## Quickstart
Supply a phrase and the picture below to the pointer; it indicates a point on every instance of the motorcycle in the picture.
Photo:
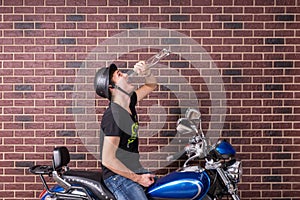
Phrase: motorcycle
(219, 176)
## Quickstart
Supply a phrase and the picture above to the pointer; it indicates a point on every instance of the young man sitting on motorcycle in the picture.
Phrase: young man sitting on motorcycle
(122, 171)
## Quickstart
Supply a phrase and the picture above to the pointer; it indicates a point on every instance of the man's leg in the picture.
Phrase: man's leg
(125, 189)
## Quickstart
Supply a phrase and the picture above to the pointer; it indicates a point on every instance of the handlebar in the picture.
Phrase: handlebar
(198, 146)
(197, 150)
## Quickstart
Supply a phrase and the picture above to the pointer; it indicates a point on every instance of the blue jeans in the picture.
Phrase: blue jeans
(124, 188)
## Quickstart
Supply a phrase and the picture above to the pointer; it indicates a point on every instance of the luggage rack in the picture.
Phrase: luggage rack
(41, 170)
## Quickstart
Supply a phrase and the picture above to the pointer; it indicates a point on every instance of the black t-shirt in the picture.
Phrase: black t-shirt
(116, 121)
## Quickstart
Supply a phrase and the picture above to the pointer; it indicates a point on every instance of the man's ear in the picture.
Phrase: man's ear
(111, 87)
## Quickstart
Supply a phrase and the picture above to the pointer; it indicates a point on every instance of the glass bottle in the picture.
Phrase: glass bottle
(150, 62)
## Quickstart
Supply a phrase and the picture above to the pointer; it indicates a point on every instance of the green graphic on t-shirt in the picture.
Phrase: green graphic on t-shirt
(134, 132)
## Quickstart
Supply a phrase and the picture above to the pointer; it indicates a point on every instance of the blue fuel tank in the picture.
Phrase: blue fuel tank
(180, 185)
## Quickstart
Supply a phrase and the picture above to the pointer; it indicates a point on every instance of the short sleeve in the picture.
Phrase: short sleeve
(109, 125)
(133, 102)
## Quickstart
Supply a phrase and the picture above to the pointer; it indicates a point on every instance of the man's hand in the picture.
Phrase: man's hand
(141, 69)
(150, 81)
(145, 179)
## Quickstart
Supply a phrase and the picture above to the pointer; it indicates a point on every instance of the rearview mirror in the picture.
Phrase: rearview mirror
(185, 126)
(192, 114)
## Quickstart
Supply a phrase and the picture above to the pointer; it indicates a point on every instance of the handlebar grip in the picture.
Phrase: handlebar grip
(170, 158)
(175, 156)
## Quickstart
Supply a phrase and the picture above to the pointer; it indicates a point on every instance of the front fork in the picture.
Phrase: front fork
(230, 187)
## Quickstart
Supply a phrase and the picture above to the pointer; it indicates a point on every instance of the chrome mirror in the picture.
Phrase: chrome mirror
(192, 114)
(185, 126)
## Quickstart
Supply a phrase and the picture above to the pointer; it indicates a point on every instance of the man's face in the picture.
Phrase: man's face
(121, 80)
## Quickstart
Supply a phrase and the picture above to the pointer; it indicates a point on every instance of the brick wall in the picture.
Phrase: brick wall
(239, 58)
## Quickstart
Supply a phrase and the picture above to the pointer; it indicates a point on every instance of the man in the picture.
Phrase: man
(122, 171)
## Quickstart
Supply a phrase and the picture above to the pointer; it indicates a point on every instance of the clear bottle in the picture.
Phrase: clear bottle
(153, 60)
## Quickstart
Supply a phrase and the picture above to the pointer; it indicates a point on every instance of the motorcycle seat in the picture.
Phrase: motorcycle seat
(90, 180)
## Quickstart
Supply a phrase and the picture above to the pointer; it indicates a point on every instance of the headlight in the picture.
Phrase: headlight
(234, 171)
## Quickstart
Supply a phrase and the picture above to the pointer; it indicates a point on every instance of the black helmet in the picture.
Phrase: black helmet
(102, 80)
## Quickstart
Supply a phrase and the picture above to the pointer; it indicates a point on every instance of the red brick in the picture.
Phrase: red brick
(13, 156)
(174, 10)
(278, 26)
(56, 3)
(12, 3)
(202, 3)
(232, 41)
(244, 2)
(265, 3)
(24, 10)
(253, 9)
(96, 3)
(47, 9)
(86, 10)
(286, 2)
(76, 3)
(34, 3)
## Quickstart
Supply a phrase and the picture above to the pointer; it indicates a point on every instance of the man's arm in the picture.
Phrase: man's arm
(109, 160)
(147, 88)
(150, 80)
